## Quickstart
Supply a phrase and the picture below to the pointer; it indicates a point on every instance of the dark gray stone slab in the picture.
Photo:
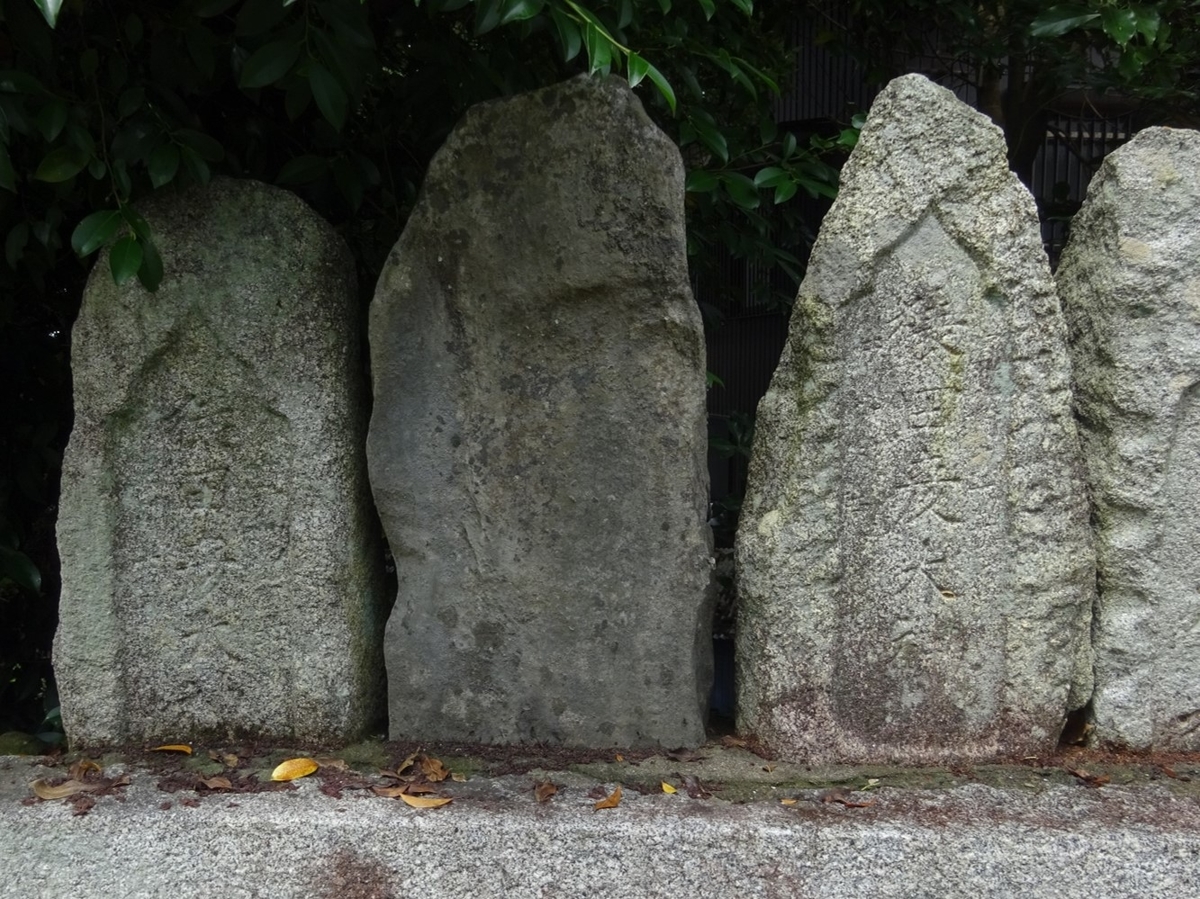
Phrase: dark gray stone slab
(537, 447)
(1130, 286)
(915, 565)
(220, 565)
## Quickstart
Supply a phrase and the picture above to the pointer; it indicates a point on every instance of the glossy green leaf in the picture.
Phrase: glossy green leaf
(151, 271)
(741, 190)
(785, 192)
(16, 567)
(746, 6)
(664, 87)
(195, 165)
(487, 15)
(599, 48)
(569, 35)
(1119, 24)
(520, 10)
(51, 119)
(330, 96)
(700, 182)
(637, 69)
(349, 22)
(1148, 22)
(15, 243)
(626, 14)
(269, 63)
(97, 169)
(771, 176)
(207, 148)
(49, 9)
(95, 230)
(61, 164)
(303, 169)
(709, 7)
(1058, 20)
(125, 258)
(665, 6)
(163, 164)
(8, 177)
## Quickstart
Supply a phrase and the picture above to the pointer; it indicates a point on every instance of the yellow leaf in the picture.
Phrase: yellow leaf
(667, 788)
(433, 769)
(174, 747)
(788, 801)
(294, 768)
(425, 801)
(613, 800)
(68, 788)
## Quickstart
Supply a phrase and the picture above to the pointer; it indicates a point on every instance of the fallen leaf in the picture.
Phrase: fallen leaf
(1169, 772)
(217, 783)
(174, 747)
(414, 789)
(425, 801)
(407, 763)
(843, 796)
(788, 801)
(620, 758)
(543, 791)
(434, 769)
(613, 800)
(458, 778)
(1089, 779)
(67, 788)
(667, 788)
(326, 762)
(390, 792)
(82, 767)
(230, 760)
(872, 783)
(768, 768)
(294, 768)
(692, 785)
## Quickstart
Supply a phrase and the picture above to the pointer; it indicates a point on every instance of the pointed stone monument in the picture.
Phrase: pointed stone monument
(915, 565)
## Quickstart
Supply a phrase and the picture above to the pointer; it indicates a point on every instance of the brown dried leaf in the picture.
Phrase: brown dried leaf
(217, 783)
(458, 778)
(81, 805)
(769, 768)
(174, 747)
(613, 800)
(415, 789)
(407, 763)
(70, 787)
(1089, 779)
(620, 758)
(543, 791)
(82, 767)
(693, 786)
(433, 769)
(328, 762)
(426, 801)
(294, 768)
(390, 792)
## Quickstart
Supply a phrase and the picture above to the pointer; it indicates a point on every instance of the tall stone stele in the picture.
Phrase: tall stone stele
(219, 558)
(915, 564)
(1130, 286)
(537, 446)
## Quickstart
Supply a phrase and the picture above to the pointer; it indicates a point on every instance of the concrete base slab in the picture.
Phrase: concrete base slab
(1038, 836)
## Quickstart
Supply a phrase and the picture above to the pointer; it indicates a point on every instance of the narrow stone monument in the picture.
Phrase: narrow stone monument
(220, 566)
(1130, 286)
(537, 446)
(915, 565)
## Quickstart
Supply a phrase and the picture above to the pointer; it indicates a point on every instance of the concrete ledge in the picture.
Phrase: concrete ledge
(1057, 840)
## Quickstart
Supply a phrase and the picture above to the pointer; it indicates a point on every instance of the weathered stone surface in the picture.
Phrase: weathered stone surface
(1130, 287)
(537, 447)
(915, 565)
(219, 557)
